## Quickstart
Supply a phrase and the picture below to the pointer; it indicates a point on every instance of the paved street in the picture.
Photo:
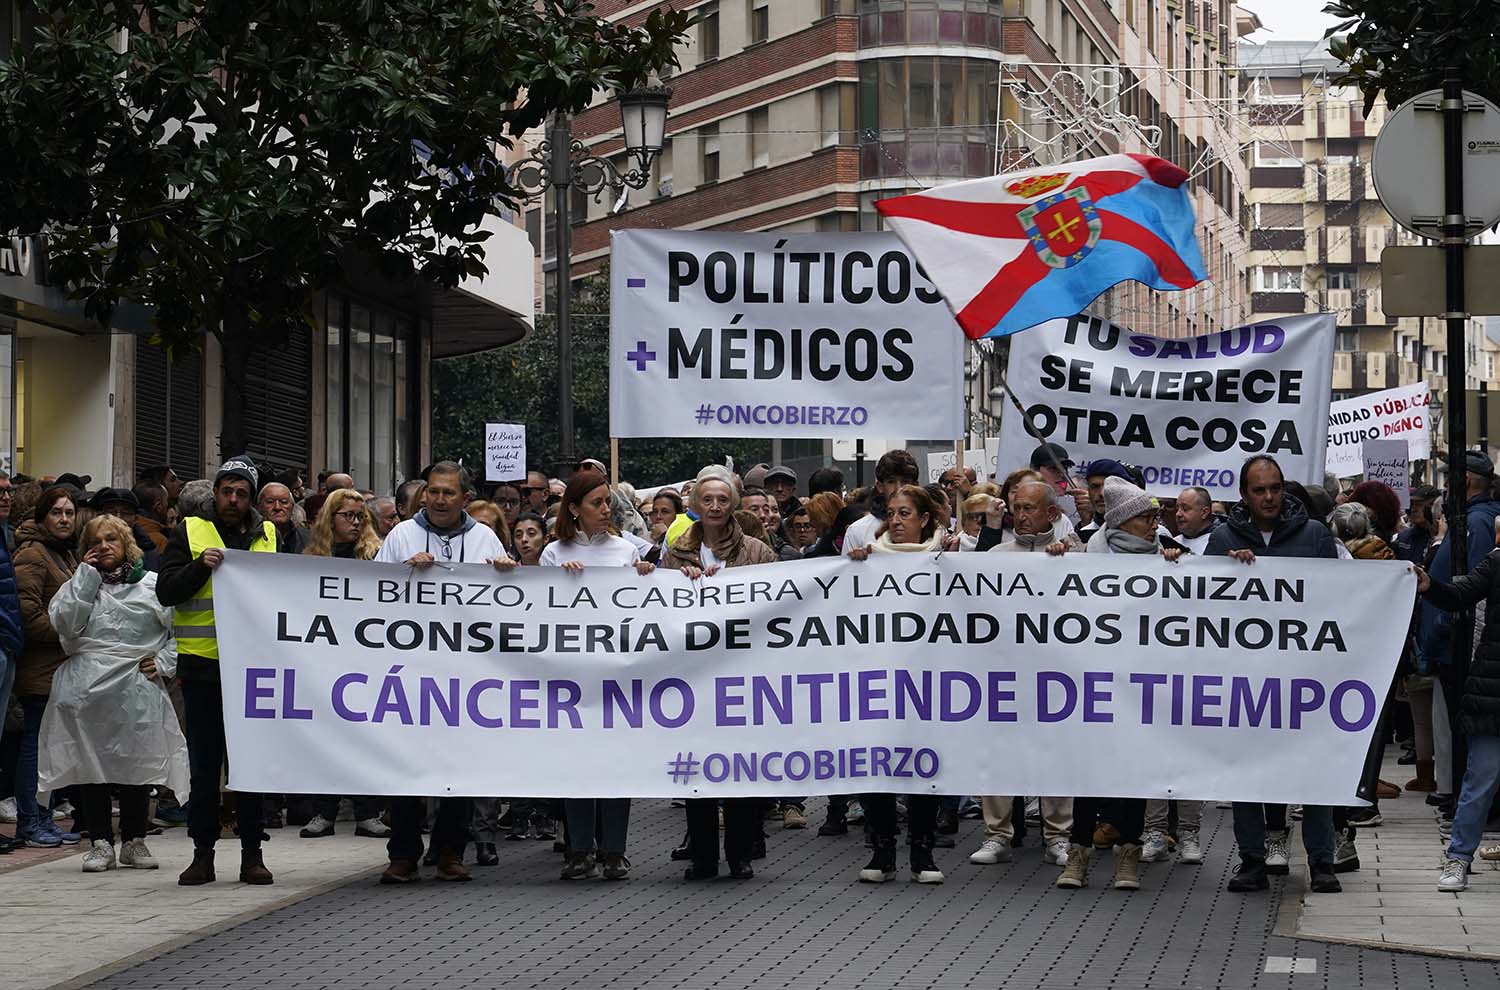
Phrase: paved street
(803, 921)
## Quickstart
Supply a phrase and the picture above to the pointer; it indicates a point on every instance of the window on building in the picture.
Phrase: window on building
(760, 137)
(1278, 216)
(1346, 340)
(367, 376)
(1273, 154)
(1341, 278)
(760, 21)
(708, 32)
(1280, 279)
(828, 115)
(708, 139)
(663, 167)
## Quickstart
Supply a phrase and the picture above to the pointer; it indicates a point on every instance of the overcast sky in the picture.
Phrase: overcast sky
(1289, 20)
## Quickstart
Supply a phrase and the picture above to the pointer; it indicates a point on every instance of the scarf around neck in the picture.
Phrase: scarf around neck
(1123, 542)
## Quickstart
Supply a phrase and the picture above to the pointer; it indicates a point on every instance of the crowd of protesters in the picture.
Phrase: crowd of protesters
(110, 678)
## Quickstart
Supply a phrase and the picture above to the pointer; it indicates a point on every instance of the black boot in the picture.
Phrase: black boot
(883, 863)
(1249, 877)
(485, 854)
(923, 868)
(834, 826)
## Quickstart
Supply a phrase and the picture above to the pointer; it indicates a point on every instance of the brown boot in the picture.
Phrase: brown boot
(450, 866)
(253, 869)
(401, 871)
(1426, 782)
(200, 871)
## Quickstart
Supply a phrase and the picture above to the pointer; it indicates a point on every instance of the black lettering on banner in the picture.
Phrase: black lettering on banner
(682, 270)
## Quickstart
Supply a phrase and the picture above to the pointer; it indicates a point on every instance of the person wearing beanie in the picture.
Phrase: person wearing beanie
(1130, 527)
(1094, 475)
(194, 551)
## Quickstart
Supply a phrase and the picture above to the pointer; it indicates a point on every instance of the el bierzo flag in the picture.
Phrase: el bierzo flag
(1011, 251)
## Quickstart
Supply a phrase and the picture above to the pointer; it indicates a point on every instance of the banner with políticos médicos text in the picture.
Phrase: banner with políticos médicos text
(959, 673)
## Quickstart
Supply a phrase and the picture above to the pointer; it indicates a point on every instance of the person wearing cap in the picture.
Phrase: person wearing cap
(781, 485)
(1269, 521)
(755, 477)
(122, 504)
(194, 551)
(1433, 648)
(1424, 518)
(1094, 475)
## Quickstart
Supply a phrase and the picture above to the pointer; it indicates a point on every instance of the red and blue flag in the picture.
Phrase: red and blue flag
(1012, 251)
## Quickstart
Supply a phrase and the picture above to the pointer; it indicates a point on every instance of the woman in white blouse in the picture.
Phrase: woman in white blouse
(584, 540)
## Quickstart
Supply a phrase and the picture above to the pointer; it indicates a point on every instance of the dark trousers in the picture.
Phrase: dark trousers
(741, 825)
(921, 817)
(206, 758)
(95, 811)
(609, 818)
(1127, 815)
(449, 831)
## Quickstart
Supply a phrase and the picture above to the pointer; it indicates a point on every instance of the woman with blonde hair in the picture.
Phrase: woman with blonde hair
(344, 528)
(110, 722)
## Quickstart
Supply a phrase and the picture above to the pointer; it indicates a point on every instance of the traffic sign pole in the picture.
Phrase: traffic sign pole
(1455, 242)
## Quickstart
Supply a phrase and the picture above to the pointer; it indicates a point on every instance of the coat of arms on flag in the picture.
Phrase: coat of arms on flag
(1011, 251)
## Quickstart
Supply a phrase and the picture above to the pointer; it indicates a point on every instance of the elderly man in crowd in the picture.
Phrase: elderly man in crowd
(1195, 520)
(275, 505)
(1039, 526)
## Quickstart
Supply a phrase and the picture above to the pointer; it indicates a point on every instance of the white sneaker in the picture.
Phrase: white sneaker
(1189, 849)
(1056, 852)
(135, 856)
(1154, 847)
(372, 828)
(8, 811)
(1454, 876)
(1278, 857)
(100, 857)
(64, 810)
(990, 852)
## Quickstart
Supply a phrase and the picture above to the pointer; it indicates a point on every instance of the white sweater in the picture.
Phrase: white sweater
(477, 546)
(604, 550)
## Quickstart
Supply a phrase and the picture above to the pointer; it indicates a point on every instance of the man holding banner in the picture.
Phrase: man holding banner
(1268, 522)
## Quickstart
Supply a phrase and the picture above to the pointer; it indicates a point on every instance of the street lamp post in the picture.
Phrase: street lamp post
(559, 164)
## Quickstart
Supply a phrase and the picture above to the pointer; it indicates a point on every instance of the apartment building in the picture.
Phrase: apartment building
(797, 115)
(1317, 228)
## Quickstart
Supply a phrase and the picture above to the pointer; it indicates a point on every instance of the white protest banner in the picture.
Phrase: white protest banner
(504, 451)
(1387, 461)
(1185, 411)
(901, 673)
(719, 334)
(1390, 414)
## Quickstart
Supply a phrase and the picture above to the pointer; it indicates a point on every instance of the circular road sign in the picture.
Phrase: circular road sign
(1408, 163)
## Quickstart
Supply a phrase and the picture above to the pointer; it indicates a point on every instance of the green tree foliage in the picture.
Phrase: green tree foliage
(216, 160)
(518, 384)
(1400, 48)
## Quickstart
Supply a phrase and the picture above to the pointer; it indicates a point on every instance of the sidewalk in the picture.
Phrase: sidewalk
(1393, 899)
(58, 923)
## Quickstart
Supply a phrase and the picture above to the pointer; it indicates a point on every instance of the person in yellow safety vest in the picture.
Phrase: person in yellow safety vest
(194, 551)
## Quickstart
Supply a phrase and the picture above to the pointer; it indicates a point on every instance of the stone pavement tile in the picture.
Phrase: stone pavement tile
(86, 921)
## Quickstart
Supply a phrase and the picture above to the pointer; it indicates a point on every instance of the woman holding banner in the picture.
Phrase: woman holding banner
(344, 529)
(714, 542)
(584, 540)
(911, 526)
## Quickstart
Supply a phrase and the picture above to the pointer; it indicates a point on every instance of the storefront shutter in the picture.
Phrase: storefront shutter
(168, 409)
(278, 393)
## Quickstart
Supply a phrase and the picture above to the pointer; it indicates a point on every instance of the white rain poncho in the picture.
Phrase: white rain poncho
(106, 722)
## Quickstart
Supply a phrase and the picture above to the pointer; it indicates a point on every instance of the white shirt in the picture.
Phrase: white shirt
(861, 533)
(604, 550)
(1197, 544)
(476, 546)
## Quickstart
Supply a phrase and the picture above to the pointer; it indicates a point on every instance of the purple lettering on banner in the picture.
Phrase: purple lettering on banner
(716, 768)
(857, 762)
(815, 684)
(562, 699)
(765, 767)
(1301, 705)
(796, 770)
(868, 693)
(1044, 681)
(629, 708)
(723, 700)
(1252, 710)
(430, 695)
(946, 682)
(822, 765)
(339, 687)
(999, 696)
(471, 703)
(1367, 708)
(254, 692)
(1269, 338)
(1149, 683)
(289, 709)
(880, 761)
(685, 701)
(1202, 699)
(520, 704)
(1093, 694)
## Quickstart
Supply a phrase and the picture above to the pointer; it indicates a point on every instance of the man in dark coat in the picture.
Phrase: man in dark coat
(1268, 522)
(11, 640)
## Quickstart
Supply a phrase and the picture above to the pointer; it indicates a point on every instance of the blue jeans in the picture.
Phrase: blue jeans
(1317, 833)
(1481, 776)
(28, 813)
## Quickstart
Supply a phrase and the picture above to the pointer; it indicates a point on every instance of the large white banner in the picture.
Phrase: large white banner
(1185, 411)
(959, 674)
(716, 334)
(1390, 414)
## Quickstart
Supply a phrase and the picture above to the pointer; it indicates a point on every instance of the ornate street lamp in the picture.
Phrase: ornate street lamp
(560, 163)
